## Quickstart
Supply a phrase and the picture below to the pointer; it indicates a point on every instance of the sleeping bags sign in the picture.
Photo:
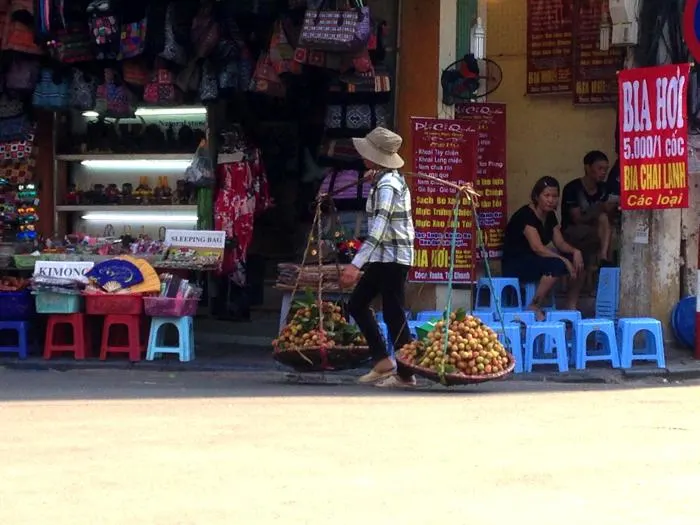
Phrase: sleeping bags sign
(654, 137)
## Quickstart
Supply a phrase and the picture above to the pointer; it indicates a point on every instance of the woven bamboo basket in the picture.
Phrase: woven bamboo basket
(458, 379)
(316, 359)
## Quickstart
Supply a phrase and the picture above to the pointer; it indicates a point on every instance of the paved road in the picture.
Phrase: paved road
(132, 448)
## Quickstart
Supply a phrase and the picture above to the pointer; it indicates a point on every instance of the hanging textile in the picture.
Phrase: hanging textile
(242, 195)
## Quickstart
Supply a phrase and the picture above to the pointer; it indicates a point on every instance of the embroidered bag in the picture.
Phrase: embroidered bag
(135, 72)
(172, 51)
(104, 29)
(18, 33)
(206, 32)
(353, 120)
(208, 85)
(282, 52)
(341, 31)
(71, 46)
(15, 128)
(266, 80)
(114, 100)
(23, 74)
(52, 91)
(161, 90)
(132, 40)
(83, 91)
(10, 106)
(18, 149)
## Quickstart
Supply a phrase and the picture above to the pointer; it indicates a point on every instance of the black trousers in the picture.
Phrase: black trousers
(387, 280)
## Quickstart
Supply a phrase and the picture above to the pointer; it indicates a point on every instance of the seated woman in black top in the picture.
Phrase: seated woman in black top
(526, 254)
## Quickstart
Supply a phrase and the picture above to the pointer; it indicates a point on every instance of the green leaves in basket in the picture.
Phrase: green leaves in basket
(460, 314)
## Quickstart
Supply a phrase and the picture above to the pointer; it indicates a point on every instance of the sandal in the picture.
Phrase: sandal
(373, 376)
(395, 381)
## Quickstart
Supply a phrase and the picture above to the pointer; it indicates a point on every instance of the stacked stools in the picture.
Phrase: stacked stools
(66, 329)
(122, 325)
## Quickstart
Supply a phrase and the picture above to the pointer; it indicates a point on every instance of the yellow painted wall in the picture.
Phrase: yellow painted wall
(546, 135)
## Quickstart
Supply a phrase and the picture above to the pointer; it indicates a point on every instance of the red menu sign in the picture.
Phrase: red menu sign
(490, 123)
(549, 46)
(654, 137)
(595, 71)
(445, 149)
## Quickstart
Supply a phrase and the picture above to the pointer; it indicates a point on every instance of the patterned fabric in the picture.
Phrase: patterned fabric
(104, 29)
(173, 51)
(15, 128)
(10, 107)
(52, 92)
(133, 39)
(83, 91)
(135, 72)
(356, 116)
(243, 194)
(23, 74)
(17, 149)
(72, 46)
(162, 90)
(345, 31)
(390, 224)
(18, 172)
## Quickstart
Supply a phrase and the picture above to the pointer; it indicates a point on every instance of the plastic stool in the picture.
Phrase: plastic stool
(413, 328)
(530, 289)
(554, 331)
(525, 317)
(429, 315)
(606, 329)
(511, 338)
(628, 329)
(79, 347)
(185, 338)
(566, 317)
(20, 327)
(484, 317)
(133, 345)
(500, 286)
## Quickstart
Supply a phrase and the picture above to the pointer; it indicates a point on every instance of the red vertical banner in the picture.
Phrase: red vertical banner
(595, 71)
(549, 46)
(490, 123)
(446, 150)
(653, 107)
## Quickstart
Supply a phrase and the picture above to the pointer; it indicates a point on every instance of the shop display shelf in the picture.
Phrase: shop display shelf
(128, 207)
(77, 157)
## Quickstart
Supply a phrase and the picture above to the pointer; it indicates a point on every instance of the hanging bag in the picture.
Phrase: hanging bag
(354, 120)
(114, 100)
(22, 74)
(339, 31)
(200, 172)
(172, 51)
(83, 91)
(71, 46)
(132, 40)
(266, 80)
(161, 90)
(52, 91)
(104, 28)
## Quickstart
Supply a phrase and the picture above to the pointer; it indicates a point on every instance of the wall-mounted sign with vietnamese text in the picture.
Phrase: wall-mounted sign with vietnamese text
(444, 150)
(653, 124)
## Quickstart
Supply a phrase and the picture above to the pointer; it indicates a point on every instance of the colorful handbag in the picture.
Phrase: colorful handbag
(172, 51)
(206, 32)
(282, 52)
(132, 41)
(83, 91)
(266, 80)
(52, 92)
(135, 72)
(17, 149)
(340, 31)
(317, 58)
(162, 91)
(22, 74)
(18, 34)
(354, 120)
(19, 172)
(114, 100)
(104, 29)
(71, 46)
(208, 84)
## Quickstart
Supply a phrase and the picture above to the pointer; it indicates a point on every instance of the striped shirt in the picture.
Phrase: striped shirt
(390, 234)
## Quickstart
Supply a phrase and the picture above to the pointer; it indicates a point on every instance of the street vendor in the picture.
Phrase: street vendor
(386, 257)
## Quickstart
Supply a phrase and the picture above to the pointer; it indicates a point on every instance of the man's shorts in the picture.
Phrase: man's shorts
(584, 237)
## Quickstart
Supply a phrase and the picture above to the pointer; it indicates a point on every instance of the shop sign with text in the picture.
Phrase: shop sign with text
(653, 137)
(445, 150)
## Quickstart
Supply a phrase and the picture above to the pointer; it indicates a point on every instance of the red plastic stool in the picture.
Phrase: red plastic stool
(79, 344)
(130, 344)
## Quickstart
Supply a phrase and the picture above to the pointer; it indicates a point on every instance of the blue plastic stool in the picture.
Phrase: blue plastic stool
(654, 348)
(601, 327)
(501, 285)
(413, 328)
(554, 331)
(511, 338)
(484, 317)
(530, 289)
(429, 315)
(185, 338)
(525, 317)
(566, 317)
(21, 349)
(607, 298)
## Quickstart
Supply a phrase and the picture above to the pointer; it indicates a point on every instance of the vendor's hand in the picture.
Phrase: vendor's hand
(578, 261)
(350, 276)
(570, 267)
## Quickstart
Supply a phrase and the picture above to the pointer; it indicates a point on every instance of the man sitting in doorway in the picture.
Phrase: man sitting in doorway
(587, 211)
